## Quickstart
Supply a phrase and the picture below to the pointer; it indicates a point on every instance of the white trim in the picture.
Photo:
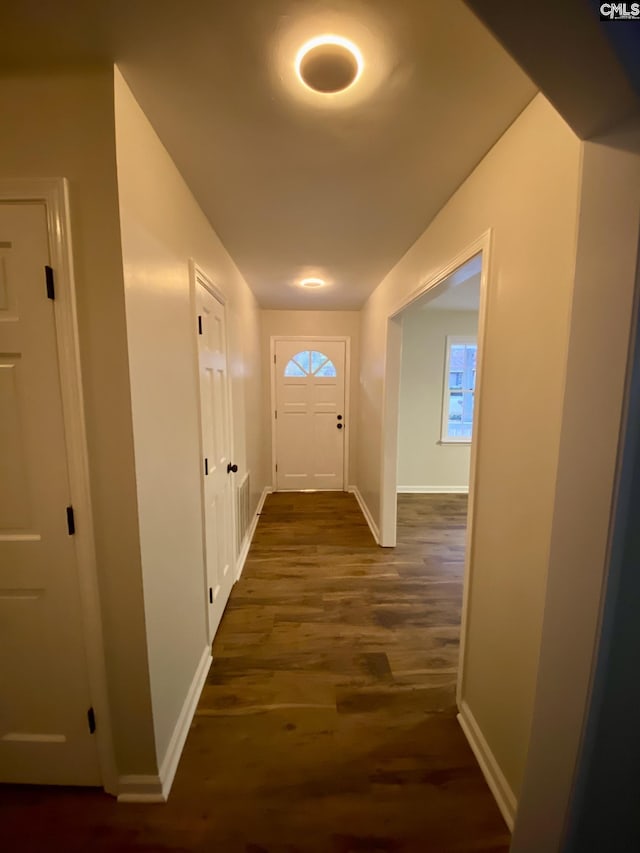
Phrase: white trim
(171, 759)
(197, 277)
(485, 247)
(251, 532)
(156, 789)
(373, 527)
(389, 434)
(500, 788)
(193, 274)
(347, 397)
(53, 192)
(140, 789)
(433, 490)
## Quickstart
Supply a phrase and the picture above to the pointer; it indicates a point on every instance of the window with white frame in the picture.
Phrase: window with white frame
(459, 389)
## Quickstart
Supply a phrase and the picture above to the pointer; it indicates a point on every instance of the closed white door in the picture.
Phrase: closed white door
(310, 422)
(217, 466)
(45, 733)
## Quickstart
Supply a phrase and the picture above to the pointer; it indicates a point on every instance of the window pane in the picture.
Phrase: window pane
(470, 366)
(317, 359)
(461, 432)
(459, 397)
(455, 379)
(455, 406)
(307, 362)
(327, 369)
(467, 410)
(457, 358)
(460, 420)
(293, 369)
(303, 360)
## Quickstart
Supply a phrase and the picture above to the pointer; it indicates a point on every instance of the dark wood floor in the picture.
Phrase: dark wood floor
(327, 724)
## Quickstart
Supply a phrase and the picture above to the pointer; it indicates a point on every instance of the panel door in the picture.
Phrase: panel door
(310, 414)
(216, 448)
(44, 688)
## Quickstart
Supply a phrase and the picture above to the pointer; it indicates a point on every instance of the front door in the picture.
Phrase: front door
(44, 688)
(217, 468)
(310, 417)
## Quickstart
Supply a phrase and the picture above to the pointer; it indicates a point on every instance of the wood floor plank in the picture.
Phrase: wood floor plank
(327, 723)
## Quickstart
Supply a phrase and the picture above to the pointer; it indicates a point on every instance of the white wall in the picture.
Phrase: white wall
(61, 125)
(424, 463)
(310, 324)
(162, 228)
(526, 190)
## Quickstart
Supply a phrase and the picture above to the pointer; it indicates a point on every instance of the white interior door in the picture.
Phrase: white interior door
(44, 688)
(310, 422)
(217, 466)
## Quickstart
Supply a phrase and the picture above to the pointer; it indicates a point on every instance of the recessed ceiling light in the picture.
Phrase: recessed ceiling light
(329, 64)
(312, 283)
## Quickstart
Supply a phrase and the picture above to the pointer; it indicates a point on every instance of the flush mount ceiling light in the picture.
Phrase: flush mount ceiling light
(329, 64)
(312, 283)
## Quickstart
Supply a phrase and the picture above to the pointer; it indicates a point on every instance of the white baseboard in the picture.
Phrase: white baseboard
(373, 527)
(500, 788)
(140, 789)
(155, 789)
(433, 490)
(171, 759)
(242, 557)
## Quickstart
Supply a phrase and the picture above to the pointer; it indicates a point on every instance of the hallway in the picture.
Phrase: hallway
(328, 719)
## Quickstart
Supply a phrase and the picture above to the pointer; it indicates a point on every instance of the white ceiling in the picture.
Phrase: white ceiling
(294, 184)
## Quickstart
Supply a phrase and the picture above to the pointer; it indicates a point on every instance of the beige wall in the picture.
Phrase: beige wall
(602, 318)
(526, 190)
(310, 324)
(62, 125)
(423, 461)
(162, 228)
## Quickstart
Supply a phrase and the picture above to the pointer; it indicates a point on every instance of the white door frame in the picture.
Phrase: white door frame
(347, 396)
(54, 194)
(391, 401)
(197, 277)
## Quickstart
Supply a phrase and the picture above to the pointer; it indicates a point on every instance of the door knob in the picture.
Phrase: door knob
(339, 417)
(339, 426)
(231, 468)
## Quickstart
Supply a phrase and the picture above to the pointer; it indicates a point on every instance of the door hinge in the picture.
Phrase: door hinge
(210, 595)
(199, 324)
(276, 467)
(71, 521)
(276, 413)
(48, 277)
(91, 719)
(206, 466)
(274, 359)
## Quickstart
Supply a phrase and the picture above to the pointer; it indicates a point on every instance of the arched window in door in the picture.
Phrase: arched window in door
(310, 363)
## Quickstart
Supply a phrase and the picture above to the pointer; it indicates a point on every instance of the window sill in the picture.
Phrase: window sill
(454, 442)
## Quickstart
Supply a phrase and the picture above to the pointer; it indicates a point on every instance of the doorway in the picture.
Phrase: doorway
(310, 381)
(437, 386)
(455, 413)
